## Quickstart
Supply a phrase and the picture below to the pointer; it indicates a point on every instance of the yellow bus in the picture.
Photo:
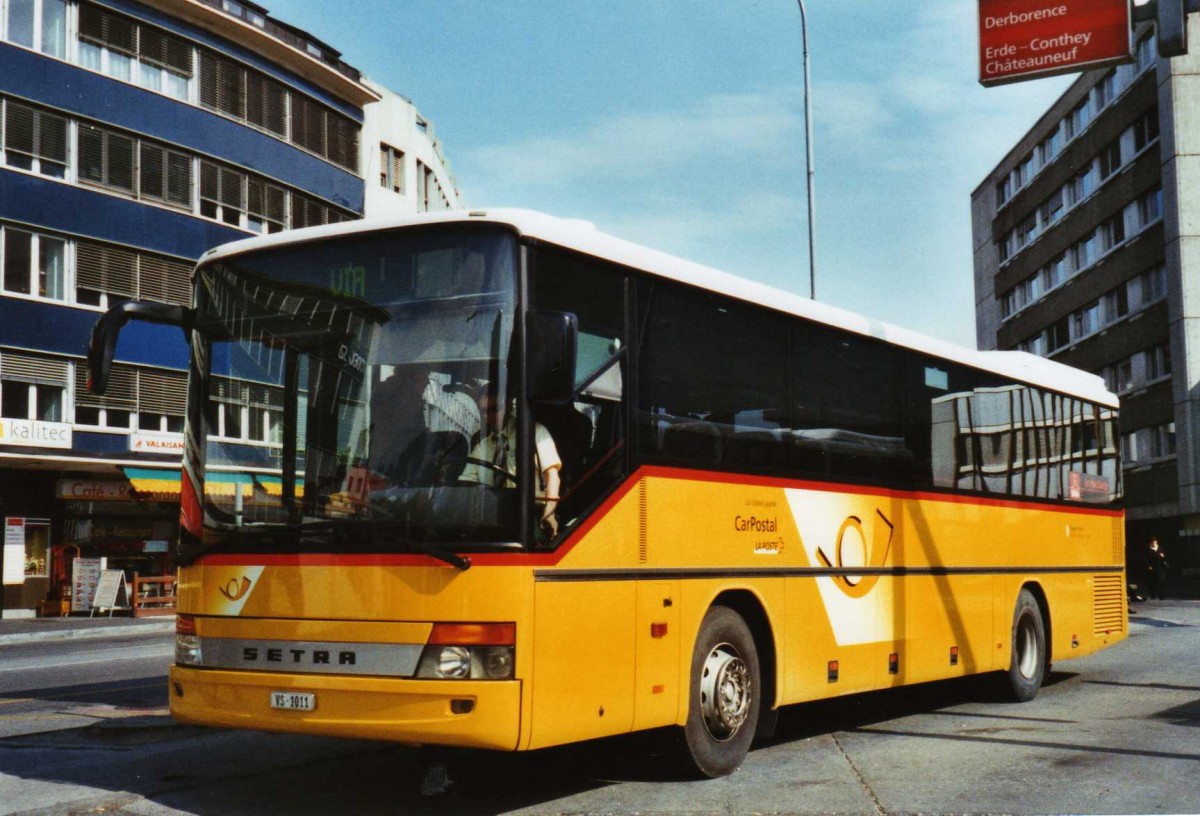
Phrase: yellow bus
(498, 480)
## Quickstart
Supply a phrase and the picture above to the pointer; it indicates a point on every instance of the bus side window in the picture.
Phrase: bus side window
(588, 431)
(713, 380)
(847, 410)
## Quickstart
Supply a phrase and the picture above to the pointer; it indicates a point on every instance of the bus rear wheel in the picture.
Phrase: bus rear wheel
(724, 695)
(1027, 667)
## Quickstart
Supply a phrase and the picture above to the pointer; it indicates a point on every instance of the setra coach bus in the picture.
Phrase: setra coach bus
(498, 480)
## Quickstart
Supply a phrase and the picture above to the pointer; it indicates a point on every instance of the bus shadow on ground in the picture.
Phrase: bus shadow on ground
(212, 771)
(148, 692)
(856, 711)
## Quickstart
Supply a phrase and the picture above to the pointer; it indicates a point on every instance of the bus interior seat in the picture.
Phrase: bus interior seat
(695, 439)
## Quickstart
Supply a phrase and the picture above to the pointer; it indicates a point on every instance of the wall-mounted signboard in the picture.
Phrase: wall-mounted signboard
(1027, 39)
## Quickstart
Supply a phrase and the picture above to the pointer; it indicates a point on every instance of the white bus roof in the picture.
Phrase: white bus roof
(583, 237)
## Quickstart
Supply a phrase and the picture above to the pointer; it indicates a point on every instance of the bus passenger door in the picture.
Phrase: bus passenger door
(657, 680)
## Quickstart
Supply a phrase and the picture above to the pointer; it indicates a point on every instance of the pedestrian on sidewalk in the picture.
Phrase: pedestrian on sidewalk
(1156, 571)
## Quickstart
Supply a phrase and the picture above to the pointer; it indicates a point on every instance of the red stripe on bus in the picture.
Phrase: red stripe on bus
(550, 559)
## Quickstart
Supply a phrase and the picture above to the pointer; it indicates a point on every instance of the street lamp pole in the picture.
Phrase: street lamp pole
(808, 160)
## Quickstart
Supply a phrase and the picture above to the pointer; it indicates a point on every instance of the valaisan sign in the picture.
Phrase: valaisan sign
(1026, 39)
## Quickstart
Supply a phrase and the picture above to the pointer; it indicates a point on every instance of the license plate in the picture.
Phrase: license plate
(293, 701)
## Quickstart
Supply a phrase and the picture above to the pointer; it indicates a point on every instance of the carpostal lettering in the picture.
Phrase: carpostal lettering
(316, 657)
(1016, 18)
(753, 524)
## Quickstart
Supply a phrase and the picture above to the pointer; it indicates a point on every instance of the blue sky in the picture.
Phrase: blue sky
(680, 125)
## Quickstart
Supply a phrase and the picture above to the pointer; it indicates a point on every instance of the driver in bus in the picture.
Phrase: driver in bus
(493, 461)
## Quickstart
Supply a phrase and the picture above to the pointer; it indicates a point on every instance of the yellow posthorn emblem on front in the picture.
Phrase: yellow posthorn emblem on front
(235, 591)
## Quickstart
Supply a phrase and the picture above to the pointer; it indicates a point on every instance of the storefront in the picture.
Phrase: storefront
(51, 520)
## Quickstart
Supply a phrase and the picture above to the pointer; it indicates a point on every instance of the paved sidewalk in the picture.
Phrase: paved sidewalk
(23, 630)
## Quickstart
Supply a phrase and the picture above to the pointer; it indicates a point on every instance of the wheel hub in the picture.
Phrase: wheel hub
(1027, 651)
(724, 692)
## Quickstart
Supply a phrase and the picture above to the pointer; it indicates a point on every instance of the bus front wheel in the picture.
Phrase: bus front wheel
(1027, 668)
(724, 696)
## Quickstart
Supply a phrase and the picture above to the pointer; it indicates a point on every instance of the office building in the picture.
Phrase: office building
(133, 137)
(1086, 251)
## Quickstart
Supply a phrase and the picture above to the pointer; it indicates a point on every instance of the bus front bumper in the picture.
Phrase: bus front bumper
(466, 713)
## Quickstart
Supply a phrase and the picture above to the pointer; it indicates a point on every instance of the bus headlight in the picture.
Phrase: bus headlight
(469, 651)
(187, 643)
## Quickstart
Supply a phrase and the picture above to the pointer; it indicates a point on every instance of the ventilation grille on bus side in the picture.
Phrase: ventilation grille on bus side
(643, 545)
(1118, 537)
(1108, 604)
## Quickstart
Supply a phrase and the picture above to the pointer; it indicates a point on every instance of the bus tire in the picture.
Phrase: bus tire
(1027, 667)
(724, 695)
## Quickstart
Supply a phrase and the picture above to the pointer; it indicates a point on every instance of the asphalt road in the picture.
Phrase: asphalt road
(83, 730)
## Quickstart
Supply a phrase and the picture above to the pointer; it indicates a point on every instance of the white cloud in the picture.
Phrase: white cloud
(637, 144)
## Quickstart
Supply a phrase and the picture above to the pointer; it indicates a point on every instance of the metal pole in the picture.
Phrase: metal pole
(808, 159)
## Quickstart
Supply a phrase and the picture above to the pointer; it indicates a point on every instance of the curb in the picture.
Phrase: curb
(90, 632)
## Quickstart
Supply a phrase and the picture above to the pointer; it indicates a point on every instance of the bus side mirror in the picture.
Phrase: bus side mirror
(551, 341)
(103, 344)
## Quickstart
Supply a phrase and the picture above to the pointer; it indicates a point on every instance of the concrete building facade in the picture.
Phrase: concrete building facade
(133, 137)
(1086, 251)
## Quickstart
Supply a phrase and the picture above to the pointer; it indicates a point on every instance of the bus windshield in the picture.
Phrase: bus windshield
(342, 383)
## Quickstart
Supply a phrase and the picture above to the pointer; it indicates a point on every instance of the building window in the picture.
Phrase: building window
(106, 275)
(266, 103)
(33, 264)
(1080, 117)
(1085, 321)
(1027, 230)
(115, 409)
(266, 207)
(1150, 207)
(1058, 334)
(1083, 185)
(1050, 146)
(1148, 444)
(1056, 272)
(125, 49)
(1110, 159)
(1116, 304)
(1112, 232)
(1053, 208)
(106, 158)
(1118, 377)
(1154, 285)
(1145, 129)
(1003, 190)
(1105, 91)
(35, 140)
(391, 168)
(164, 175)
(222, 193)
(1147, 52)
(1085, 252)
(37, 24)
(32, 387)
(1158, 362)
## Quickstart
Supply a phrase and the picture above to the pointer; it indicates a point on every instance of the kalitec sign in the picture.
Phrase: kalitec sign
(1025, 39)
(35, 434)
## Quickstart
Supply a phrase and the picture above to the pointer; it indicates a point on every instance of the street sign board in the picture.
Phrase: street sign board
(1027, 39)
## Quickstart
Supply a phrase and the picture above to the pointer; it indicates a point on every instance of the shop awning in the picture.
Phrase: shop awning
(163, 485)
